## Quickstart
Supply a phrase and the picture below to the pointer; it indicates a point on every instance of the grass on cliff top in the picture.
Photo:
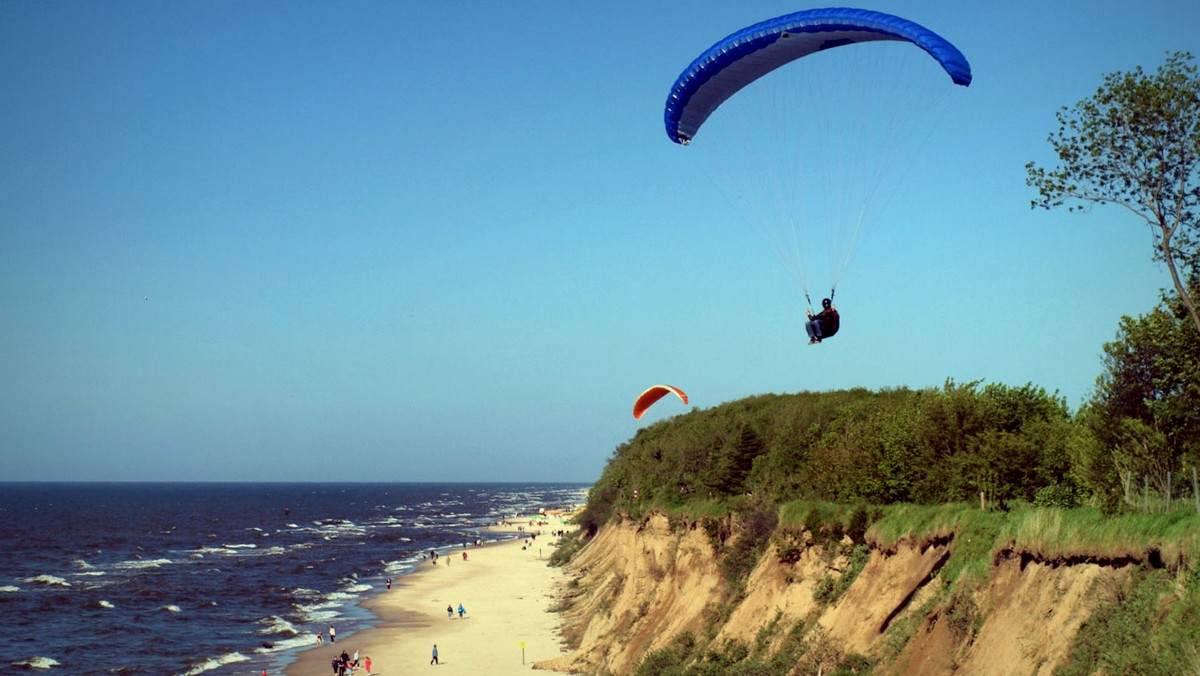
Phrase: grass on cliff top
(1045, 533)
(1085, 532)
(693, 510)
(1048, 533)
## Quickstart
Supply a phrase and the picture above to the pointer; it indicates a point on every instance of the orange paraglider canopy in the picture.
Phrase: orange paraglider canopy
(647, 398)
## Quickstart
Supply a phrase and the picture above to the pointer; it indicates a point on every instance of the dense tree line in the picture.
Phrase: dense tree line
(1136, 144)
(1139, 431)
(901, 445)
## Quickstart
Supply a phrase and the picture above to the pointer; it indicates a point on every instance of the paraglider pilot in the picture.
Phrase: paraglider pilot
(824, 324)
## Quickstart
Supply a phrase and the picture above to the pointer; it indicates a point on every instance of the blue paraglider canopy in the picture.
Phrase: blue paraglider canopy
(744, 56)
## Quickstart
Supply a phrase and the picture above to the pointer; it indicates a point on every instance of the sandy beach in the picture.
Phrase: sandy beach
(506, 590)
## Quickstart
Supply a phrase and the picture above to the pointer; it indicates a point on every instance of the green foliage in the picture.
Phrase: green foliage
(826, 590)
(600, 504)
(860, 520)
(762, 638)
(806, 649)
(962, 614)
(852, 446)
(567, 547)
(831, 588)
(1146, 625)
(669, 661)
(1145, 414)
(756, 522)
(1136, 143)
(1174, 537)
(1062, 495)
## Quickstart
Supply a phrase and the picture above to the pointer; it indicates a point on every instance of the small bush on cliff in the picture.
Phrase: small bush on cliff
(860, 520)
(831, 588)
(757, 522)
(762, 639)
(962, 614)
(717, 531)
(567, 547)
(826, 590)
(600, 505)
(666, 662)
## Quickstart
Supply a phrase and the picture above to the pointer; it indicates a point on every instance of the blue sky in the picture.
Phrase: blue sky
(451, 241)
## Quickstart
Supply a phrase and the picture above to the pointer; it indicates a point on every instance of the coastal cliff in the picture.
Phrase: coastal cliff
(656, 593)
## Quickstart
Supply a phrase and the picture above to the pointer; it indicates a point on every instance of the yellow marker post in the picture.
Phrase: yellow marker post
(522, 652)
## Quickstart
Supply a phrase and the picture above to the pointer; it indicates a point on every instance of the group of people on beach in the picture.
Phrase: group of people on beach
(344, 665)
(433, 557)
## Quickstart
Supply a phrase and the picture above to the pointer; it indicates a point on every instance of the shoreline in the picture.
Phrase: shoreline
(506, 589)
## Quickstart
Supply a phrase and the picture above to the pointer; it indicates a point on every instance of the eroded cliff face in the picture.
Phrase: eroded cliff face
(639, 585)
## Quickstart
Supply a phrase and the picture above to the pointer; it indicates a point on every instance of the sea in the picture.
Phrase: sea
(210, 578)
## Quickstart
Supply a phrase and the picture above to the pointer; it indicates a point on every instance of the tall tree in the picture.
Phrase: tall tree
(1146, 407)
(1136, 144)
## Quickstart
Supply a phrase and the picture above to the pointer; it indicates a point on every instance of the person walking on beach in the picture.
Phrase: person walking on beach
(367, 663)
(435, 659)
(450, 612)
(320, 639)
(332, 634)
(461, 611)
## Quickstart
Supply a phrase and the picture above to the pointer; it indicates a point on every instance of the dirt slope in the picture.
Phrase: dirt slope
(639, 585)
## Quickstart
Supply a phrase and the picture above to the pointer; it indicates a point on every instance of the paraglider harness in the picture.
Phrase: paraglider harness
(827, 331)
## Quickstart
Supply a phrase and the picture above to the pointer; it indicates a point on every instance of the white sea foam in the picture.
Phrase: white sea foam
(105, 604)
(319, 612)
(82, 565)
(247, 546)
(215, 663)
(9, 589)
(399, 567)
(36, 662)
(91, 573)
(143, 564)
(275, 625)
(48, 580)
(357, 588)
(291, 643)
(170, 608)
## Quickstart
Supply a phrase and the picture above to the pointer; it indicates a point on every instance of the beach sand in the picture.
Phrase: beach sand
(507, 592)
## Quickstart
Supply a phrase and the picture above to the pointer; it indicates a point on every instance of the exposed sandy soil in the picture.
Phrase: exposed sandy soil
(639, 585)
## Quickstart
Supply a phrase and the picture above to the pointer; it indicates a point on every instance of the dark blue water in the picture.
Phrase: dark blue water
(218, 578)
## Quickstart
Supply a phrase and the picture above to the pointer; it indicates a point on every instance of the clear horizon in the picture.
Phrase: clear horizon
(426, 243)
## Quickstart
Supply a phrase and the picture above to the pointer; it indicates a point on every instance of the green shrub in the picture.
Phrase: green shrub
(826, 590)
(1061, 495)
(860, 521)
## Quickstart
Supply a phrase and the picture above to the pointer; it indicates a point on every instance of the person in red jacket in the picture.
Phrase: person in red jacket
(824, 324)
